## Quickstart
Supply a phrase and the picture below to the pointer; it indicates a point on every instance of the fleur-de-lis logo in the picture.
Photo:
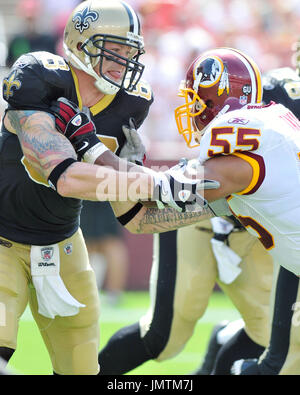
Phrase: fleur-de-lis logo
(10, 83)
(82, 19)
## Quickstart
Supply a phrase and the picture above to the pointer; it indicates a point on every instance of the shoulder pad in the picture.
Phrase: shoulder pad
(142, 90)
(35, 80)
(276, 76)
(283, 86)
(139, 100)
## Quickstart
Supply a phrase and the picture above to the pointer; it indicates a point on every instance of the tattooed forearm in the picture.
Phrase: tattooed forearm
(43, 146)
(157, 221)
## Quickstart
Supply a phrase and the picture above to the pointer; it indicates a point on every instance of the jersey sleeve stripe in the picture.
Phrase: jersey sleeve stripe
(259, 171)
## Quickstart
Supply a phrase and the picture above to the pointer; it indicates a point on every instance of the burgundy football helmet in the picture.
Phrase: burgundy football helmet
(218, 81)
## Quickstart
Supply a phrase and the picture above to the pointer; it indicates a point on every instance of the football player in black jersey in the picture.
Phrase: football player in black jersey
(43, 257)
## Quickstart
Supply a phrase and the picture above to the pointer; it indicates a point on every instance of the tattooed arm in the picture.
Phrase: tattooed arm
(42, 145)
(153, 220)
(44, 148)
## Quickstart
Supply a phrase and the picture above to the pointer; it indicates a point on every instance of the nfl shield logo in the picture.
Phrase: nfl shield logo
(184, 195)
(243, 100)
(47, 253)
(77, 120)
(68, 248)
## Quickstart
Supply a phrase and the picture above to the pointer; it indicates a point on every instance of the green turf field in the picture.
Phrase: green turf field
(31, 356)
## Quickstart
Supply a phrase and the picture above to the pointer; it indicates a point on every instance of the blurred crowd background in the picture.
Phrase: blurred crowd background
(175, 31)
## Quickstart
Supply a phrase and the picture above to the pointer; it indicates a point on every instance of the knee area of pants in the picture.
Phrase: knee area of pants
(84, 361)
(8, 329)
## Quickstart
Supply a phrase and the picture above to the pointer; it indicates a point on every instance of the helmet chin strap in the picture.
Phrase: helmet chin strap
(100, 83)
(223, 111)
(105, 87)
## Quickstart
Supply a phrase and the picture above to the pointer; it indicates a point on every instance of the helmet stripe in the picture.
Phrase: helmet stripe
(133, 19)
(255, 75)
(259, 82)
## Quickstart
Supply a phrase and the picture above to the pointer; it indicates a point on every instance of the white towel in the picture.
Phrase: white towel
(227, 259)
(220, 225)
(52, 295)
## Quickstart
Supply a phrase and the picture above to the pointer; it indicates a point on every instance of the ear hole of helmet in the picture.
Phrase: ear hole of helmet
(209, 103)
(78, 46)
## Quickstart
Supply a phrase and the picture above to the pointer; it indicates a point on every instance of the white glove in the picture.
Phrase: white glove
(134, 149)
(173, 189)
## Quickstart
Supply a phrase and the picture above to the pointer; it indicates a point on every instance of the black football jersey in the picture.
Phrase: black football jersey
(31, 212)
(282, 86)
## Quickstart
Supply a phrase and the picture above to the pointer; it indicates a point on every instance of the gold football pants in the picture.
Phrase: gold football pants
(72, 341)
(196, 276)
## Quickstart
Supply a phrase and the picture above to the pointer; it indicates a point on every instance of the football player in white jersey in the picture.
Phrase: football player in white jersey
(281, 85)
(253, 151)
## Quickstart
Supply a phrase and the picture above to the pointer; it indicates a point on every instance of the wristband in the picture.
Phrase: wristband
(94, 152)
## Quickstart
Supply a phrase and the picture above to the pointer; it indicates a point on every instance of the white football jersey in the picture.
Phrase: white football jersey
(268, 138)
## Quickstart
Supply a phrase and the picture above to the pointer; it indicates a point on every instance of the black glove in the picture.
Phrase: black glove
(79, 129)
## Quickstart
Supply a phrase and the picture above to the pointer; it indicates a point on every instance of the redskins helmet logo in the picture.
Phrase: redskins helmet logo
(82, 19)
(209, 72)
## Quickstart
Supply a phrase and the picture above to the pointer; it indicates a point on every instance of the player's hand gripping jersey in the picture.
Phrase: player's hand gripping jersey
(268, 138)
(41, 215)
